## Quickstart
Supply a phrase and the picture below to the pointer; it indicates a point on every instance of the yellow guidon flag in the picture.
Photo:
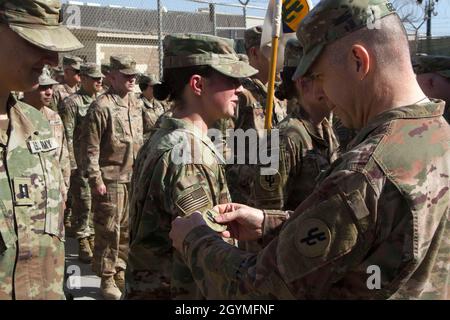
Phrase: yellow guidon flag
(281, 23)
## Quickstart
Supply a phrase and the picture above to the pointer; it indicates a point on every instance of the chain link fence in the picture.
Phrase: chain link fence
(138, 28)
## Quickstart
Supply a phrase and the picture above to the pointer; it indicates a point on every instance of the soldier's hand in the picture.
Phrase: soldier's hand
(244, 223)
(181, 226)
(101, 189)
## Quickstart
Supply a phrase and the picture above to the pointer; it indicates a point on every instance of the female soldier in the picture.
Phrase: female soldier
(178, 170)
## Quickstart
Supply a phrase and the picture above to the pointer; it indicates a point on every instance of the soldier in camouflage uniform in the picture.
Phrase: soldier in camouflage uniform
(433, 75)
(153, 107)
(107, 79)
(40, 99)
(378, 226)
(308, 144)
(31, 210)
(251, 115)
(112, 136)
(71, 66)
(75, 108)
(178, 170)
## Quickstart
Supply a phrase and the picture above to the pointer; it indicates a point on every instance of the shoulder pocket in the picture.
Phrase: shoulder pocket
(320, 235)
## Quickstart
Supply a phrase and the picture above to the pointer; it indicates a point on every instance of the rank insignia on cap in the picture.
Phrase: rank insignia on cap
(313, 238)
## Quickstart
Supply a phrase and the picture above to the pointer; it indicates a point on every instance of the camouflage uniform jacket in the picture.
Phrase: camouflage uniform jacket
(304, 154)
(177, 172)
(250, 115)
(62, 152)
(154, 108)
(112, 137)
(384, 206)
(60, 92)
(31, 211)
(74, 110)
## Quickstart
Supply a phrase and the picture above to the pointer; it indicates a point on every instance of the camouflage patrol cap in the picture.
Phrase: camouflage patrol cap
(105, 68)
(433, 64)
(58, 71)
(72, 61)
(124, 64)
(187, 50)
(331, 20)
(292, 53)
(148, 79)
(37, 21)
(252, 37)
(46, 80)
(91, 70)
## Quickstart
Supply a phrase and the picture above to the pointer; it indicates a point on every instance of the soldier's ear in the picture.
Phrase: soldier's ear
(360, 61)
(196, 84)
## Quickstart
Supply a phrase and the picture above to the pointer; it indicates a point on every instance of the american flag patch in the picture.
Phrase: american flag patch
(193, 201)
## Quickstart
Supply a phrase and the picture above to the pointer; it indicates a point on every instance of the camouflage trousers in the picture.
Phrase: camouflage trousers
(82, 223)
(111, 229)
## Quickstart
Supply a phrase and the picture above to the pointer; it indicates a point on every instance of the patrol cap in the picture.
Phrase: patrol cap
(124, 64)
(187, 50)
(72, 61)
(46, 80)
(105, 68)
(252, 37)
(432, 64)
(58, 71)
(91, 70)
(148, 79)
(292, 53)
(37, 21)
(331, 20)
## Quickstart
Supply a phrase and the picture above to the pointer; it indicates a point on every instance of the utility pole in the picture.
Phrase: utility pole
(429, 11)
(430, 6)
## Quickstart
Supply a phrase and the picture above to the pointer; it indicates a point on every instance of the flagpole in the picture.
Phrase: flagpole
(273, 62)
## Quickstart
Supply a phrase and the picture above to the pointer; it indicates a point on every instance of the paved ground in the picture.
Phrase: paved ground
(82, 283)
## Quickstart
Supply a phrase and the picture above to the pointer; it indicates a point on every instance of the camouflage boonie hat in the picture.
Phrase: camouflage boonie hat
(73, 62)
(37, 21)
(331, 20)
(243, 57)
(252, 37)
(148, 79)
(91, 70)
(105, 68)
(432, 64)
(123, 64)
(292, 53)
(187, 50)
(46, 80)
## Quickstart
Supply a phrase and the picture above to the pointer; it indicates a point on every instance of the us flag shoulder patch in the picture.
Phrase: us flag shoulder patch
(195, 200)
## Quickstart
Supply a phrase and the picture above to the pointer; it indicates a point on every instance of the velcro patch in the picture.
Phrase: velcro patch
(37, 146)
(193, 201)
(22, 191)
(313, 238)
(270, 182)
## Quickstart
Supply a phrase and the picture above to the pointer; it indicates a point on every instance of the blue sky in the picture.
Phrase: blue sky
(440, 23)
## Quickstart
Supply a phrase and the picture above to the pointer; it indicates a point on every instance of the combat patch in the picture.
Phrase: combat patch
(313, 238)
(270, 182)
